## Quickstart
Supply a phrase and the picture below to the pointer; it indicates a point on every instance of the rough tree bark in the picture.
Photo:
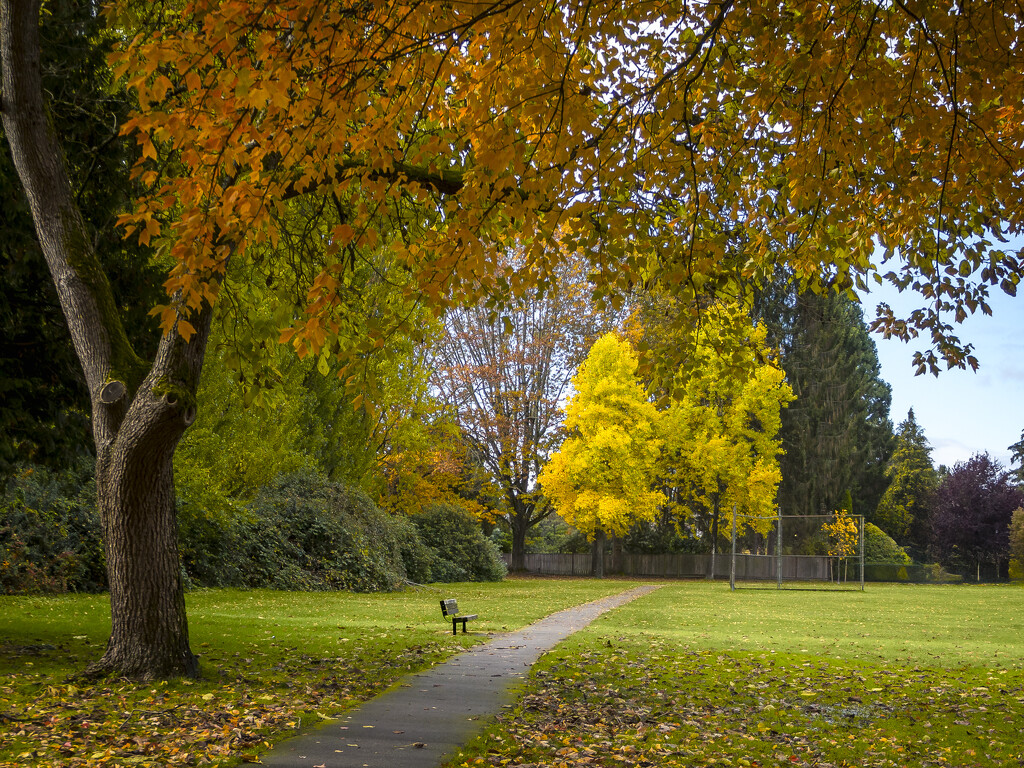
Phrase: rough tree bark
(139, 411)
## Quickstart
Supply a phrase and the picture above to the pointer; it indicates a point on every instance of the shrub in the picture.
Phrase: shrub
(648, 538)
(303, 532)
(300, 532)
(50, 535)
(460, 550)
(935, 573)
(206, 527)
(577, 544)
(416, 556)
(879, 547)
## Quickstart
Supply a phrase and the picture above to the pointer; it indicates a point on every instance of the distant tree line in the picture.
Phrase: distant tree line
(839, 452)
(961, 517)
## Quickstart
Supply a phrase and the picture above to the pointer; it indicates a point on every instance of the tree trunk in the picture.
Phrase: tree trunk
(520, 526)
(597, 554)
(617, 555)
(135, 489)
(139, 412)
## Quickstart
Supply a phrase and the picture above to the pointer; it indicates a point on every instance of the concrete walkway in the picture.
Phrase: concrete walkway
(433, 713)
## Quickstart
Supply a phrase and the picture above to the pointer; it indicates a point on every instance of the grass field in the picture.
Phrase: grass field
(694, 675)
(691, 675)
(272, 663)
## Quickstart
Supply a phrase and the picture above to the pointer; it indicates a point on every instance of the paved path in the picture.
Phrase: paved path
(433, 713)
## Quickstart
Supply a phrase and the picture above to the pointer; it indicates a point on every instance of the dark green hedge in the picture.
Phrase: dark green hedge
(301, 532)
(460, 551)
(50, 538)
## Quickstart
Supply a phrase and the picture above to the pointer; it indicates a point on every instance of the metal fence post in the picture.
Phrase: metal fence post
(862, 553)
(778, 551)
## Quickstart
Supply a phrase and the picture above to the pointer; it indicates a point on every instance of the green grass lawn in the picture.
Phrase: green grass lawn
(272, 663)
(691, 675)
(695, 675)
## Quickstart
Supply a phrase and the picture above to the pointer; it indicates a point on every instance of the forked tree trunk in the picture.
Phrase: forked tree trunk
(523, 517)
(139, 411)
(135, 488)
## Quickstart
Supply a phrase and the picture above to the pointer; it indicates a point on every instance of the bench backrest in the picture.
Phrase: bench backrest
(449, 607)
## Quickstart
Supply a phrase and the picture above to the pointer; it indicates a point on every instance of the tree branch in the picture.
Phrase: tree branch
(445, 182)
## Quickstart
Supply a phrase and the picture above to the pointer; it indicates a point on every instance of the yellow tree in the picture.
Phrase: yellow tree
(1017, 544)
(720, 431)
(600, 479)
(843, 536)
(657, 136)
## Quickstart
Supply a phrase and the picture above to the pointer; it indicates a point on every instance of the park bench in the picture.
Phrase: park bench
(450, 610)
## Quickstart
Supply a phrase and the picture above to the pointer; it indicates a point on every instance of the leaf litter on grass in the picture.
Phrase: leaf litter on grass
(272, 663)
(640, 701)
(233, 714)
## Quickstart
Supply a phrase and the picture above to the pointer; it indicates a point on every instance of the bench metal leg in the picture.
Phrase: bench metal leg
(455, 623)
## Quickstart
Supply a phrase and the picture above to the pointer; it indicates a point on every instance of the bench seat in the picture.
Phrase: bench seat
(450, 610)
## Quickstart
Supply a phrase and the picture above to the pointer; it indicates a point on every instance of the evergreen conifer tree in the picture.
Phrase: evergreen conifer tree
(836, 435)
(903, 510)
(1017, 457)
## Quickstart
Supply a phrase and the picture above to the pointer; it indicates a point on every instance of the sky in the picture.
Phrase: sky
(961, 412)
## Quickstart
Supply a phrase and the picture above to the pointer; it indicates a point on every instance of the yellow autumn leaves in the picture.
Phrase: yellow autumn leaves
(600, 480)
(843, 535)
(714, 448)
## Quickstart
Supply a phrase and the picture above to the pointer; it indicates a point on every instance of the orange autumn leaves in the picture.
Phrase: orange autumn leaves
(402, 115)
(689, 144)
